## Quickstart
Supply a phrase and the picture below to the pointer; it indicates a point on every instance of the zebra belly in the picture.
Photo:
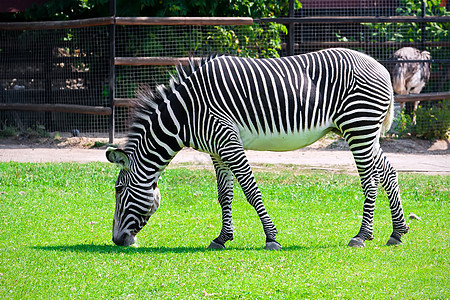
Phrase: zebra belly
(281, 141)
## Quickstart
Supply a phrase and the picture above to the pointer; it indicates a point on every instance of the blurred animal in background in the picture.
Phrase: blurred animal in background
(410, 77)
(75, 132)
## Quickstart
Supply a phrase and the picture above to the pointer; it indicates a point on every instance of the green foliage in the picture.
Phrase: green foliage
(74, 9)
(99, 144)
(404, 126)
(60, 10)
(7, 131)
(34, 132)
(247, 41)
(37, 131)
(433, 122)
(412, 32)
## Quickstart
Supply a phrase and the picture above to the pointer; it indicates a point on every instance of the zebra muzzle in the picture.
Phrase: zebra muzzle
(125, 239)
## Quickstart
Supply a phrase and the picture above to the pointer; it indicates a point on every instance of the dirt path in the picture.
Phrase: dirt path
(333, 155)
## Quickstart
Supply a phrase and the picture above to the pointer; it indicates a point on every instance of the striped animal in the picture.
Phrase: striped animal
(225, 104)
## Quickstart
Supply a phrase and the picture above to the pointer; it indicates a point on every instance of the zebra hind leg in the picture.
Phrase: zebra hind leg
(224, 178)
(389, 181)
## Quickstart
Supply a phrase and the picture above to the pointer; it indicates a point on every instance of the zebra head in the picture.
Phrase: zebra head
(136, 200)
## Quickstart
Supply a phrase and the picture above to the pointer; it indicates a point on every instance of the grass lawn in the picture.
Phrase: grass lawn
(55, 238)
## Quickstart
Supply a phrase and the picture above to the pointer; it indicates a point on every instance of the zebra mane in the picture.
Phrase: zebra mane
(148, 100)
(184, 71)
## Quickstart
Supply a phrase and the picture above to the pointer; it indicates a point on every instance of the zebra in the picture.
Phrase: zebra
(224, 104)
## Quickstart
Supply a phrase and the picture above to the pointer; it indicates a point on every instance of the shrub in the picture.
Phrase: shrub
(404, 126)
(8, 131)
(433, 122)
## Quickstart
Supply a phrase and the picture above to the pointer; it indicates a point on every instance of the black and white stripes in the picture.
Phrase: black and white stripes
(226, 104)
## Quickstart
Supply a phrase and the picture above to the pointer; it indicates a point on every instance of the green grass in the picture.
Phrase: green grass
(55, 238)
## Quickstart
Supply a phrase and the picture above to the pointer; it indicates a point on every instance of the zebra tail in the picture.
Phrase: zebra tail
(387, 123)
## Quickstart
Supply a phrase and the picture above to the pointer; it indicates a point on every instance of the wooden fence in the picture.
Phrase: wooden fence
(115, 61)
(136, 61)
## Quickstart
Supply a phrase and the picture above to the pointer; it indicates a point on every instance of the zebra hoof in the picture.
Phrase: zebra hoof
(273, 246)
(356, 242)
(216, 246)
(393, 242)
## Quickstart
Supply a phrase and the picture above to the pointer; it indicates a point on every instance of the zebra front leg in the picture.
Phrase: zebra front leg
(224, 178)
(234, 157)
(389, 182)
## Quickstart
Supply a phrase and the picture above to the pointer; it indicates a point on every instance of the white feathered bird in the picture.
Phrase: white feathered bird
(410, 78)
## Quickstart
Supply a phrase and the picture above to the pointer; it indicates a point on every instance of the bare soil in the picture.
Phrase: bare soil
(330, 142)
(329, 153)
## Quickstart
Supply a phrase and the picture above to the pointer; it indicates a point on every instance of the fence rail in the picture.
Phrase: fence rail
(389, 44)
(68, 108)
(152, 61)
(169, 21)
(355, 19)
(57, 24)
(422, 97)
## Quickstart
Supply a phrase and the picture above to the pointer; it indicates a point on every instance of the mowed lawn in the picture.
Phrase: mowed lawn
(55, 238)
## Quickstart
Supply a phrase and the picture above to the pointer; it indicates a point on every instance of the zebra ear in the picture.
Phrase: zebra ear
(118, 157)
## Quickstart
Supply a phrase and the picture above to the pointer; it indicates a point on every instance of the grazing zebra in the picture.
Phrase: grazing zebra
(223, 105)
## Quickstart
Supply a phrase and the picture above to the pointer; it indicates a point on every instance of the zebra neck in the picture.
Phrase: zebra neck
(150, 153)
(156, 136)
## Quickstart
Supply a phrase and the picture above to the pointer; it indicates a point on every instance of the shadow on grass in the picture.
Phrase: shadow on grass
(135, 250)
(118, 249)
